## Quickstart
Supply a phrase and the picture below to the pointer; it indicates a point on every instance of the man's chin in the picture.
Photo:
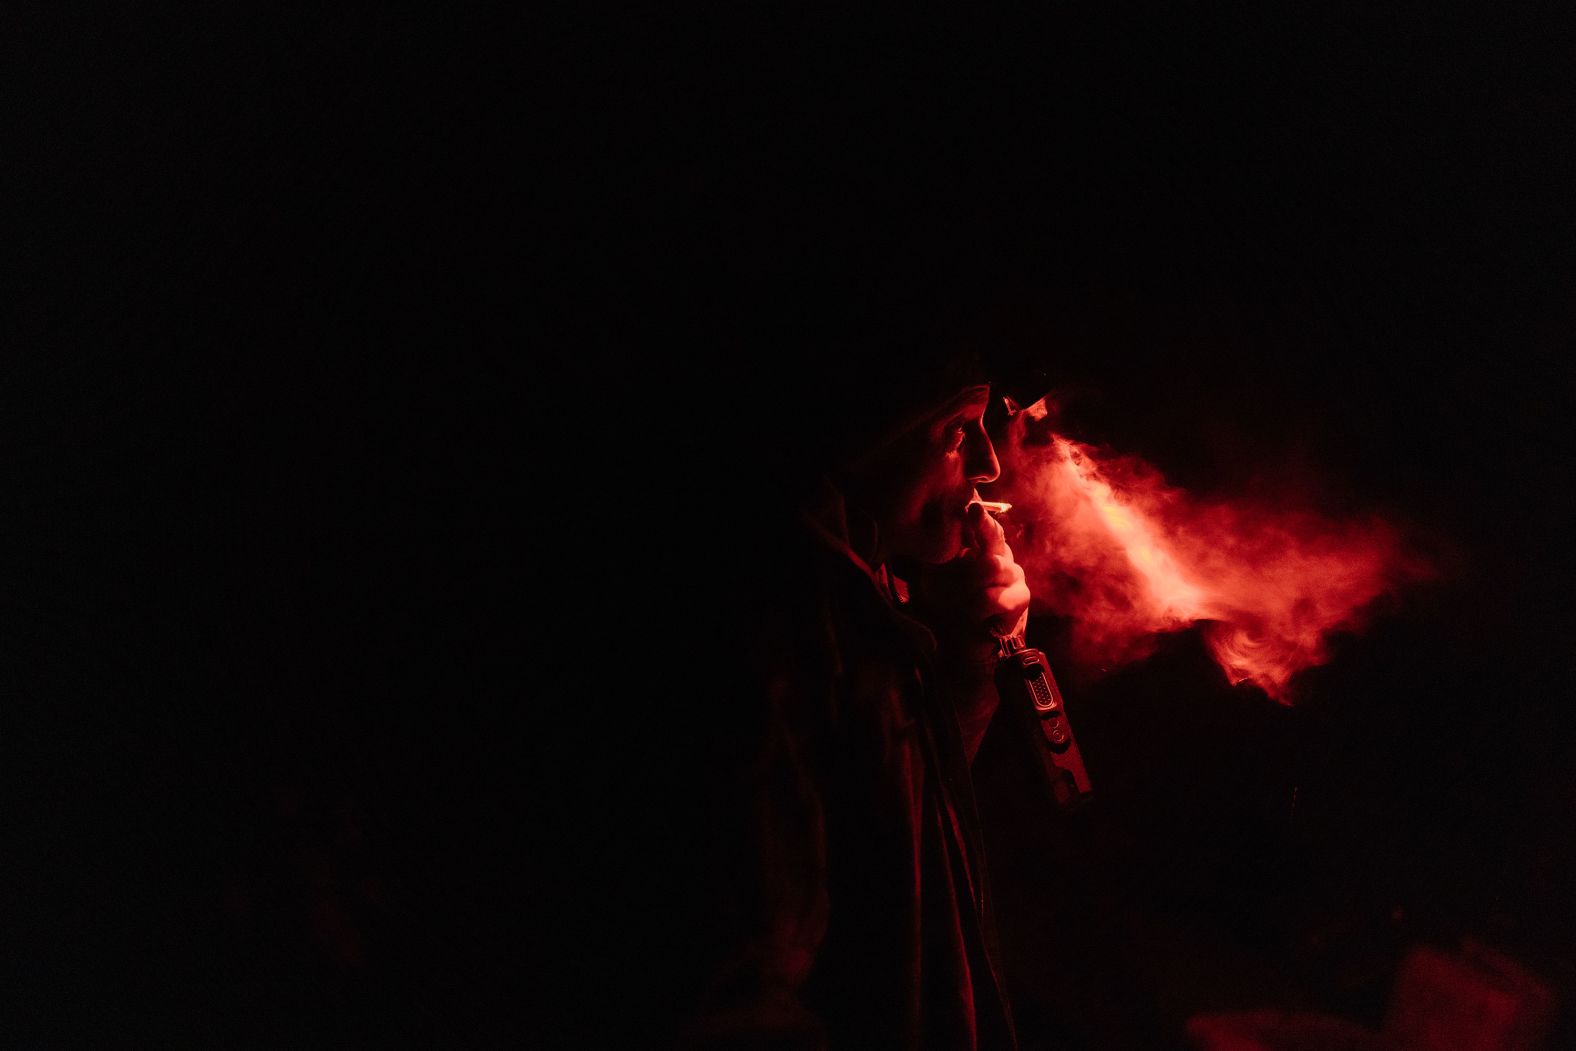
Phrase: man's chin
(946, 548)
(932, 541)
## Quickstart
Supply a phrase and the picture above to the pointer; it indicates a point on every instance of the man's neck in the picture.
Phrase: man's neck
(864, 536)
(845, 524)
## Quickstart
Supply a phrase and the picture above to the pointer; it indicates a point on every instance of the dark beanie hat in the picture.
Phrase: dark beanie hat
(845, 327)
(800, 305)
(851, 358)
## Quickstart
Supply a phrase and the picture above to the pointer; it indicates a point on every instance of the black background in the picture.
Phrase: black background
(356, 411)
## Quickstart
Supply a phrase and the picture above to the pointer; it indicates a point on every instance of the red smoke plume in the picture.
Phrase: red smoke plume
(1108, 544)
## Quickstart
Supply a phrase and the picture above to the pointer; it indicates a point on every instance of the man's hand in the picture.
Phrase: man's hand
(979, 596)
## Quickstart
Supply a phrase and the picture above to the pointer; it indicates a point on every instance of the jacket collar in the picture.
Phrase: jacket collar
(826, 515)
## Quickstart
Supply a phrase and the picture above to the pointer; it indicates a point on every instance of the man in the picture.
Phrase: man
(849, 898)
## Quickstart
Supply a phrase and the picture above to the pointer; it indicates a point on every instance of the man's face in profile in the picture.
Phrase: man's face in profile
(920, 485)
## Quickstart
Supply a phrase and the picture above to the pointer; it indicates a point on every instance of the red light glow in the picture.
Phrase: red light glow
(1125, 557)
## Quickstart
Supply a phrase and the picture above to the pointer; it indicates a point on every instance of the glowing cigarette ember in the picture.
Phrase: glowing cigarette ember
(995, 507)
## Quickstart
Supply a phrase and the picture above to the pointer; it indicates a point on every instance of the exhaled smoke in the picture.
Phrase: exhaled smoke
(1108, 544)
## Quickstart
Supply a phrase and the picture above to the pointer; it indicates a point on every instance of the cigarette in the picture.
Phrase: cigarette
(995, 507)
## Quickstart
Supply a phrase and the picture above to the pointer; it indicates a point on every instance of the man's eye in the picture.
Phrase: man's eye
(954, 435)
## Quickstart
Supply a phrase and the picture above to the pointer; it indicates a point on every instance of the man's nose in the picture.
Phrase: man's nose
(982, 464)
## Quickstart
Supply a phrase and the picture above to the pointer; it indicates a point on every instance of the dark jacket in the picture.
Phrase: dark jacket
(859, 913)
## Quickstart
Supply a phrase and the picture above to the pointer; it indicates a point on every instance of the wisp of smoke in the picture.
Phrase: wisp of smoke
(1107, 543)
